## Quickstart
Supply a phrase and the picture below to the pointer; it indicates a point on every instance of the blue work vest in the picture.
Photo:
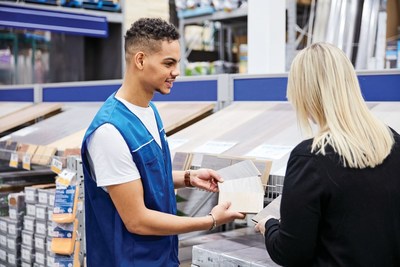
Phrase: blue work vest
(108, 242)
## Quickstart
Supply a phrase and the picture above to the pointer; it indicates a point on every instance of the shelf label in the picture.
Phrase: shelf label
(56, 165)
(14, 160)
(269, 151)
(174, 143)
(26, 161)
(214, 147)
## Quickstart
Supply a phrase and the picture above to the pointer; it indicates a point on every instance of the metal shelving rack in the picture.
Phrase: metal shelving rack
(113, 18)
(230, 20)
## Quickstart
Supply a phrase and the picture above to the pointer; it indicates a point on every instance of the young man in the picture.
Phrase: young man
(130, 203)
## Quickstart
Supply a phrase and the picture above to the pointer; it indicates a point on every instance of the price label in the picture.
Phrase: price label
(65, 177)
(26, 161)
(56, 165)
(14, 160)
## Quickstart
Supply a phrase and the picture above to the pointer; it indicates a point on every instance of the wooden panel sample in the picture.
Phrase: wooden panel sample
(28, 114)
(75, 117)
(176, 115)
(7, 108)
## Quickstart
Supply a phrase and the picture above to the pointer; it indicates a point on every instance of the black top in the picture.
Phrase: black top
(337, 216)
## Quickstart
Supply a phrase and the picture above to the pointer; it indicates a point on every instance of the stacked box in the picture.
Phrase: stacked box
(36, 230)
(29, 227)
(13, 224)
(3, 240)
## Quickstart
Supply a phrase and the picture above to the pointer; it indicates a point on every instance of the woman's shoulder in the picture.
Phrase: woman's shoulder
(303, 148)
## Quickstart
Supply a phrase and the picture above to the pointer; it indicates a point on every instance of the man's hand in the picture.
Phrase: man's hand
(206, 179)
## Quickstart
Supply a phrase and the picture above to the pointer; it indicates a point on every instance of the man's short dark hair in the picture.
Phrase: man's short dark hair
(146, 33)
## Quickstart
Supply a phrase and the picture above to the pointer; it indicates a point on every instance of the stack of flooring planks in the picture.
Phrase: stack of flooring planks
(66, 130)
(177, 115)
(7, 108)
(73, 118)
(28, 114)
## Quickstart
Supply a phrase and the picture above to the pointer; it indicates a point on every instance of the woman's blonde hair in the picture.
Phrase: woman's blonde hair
(323, 87)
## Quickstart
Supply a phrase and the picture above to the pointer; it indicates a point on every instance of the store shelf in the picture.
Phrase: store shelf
(110, 16)
(239, 14)
(81, 40)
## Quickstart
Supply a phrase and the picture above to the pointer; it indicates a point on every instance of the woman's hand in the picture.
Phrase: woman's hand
(260, 226)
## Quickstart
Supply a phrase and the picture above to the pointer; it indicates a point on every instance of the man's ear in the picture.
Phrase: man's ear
(139, 60)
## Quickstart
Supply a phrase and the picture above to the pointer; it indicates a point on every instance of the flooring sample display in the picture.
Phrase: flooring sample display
(43, 155)
(24, 149)
(248, 125)
(243, 123)
(28, 114)
(176, 115)
(71, 141)
(7, 108)
(74, 117)
(66, 130)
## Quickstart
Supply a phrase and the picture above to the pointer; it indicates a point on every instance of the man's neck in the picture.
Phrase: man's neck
(133, 93)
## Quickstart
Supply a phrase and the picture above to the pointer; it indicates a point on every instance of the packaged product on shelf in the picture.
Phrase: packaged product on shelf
(64, 238)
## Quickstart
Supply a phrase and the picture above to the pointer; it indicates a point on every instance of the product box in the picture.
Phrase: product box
(27, 264)
(248, 257)
(28, 238)
(31, 209)
(14, 228)
(210, 253)
(3, 240)
(29, 223)
(41, 212)
(40, 243)
(15, 214)
(13, 260)
(43, 196)
(27, 254)
(13, 243)
(40, 258)
(4, 224)
(3, 254)
(41, 227)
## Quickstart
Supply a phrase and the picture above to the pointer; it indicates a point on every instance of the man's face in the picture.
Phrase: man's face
(161, 68)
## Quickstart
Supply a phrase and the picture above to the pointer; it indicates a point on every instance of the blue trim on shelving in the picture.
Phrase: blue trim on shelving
(373, 87)
(56, 21)
(181, 91)
(206, 90)
(18, 95)
(79, 93)
(260, 89)
(380, 87)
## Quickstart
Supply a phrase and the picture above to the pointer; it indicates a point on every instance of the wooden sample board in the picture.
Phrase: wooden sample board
(176, 115)
(245, 125)
(249, 125)
(7, 108)
(66, 130)
(75, 117)
(28, 114)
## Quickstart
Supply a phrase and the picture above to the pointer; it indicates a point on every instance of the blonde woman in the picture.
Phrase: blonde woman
(341, 196)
